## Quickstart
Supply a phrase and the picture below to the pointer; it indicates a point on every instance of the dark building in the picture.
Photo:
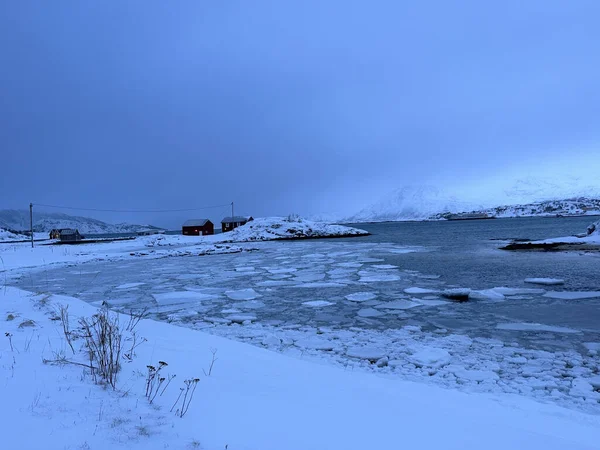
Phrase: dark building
(229, 223)
(70, 235)
(54, 233)
(197, 227)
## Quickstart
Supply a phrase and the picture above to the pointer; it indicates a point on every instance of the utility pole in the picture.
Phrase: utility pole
(31, 222)
(232, 215)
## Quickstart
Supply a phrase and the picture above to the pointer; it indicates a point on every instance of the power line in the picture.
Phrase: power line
(133, 210)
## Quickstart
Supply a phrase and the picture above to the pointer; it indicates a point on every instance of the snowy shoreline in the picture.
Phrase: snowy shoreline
(589, 241)
(252, 399)
(405, 372)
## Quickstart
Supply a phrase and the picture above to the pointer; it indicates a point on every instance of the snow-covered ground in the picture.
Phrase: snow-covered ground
(252, 399)
(319, 387)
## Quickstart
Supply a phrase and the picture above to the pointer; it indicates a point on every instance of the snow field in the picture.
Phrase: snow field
(253, 399)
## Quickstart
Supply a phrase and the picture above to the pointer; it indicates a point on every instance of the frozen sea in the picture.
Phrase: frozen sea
(376, 302)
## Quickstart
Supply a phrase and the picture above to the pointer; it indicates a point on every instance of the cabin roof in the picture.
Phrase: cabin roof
(235, 219)
(195, 222)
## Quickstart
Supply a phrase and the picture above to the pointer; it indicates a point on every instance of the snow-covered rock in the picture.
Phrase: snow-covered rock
(276, 228)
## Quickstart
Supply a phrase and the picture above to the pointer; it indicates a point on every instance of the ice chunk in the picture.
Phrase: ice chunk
(317, 303)
(517, 291)
(535, 327)
(430, 301)
(314, 343)
(476, 375)
(309, 276)
(487, 294)
(361, 297)
(372, 354)
(376, 277)
(384, 266)
(430, 357)
(369, 312)
(271, 283)
(572, 295)
(398, 304)
(418, 290)
(241, 318)
(324, 284)
(180, 296)
(130, 285)
(545, 281)
(250, 304)
(242, 294)
(271, 341)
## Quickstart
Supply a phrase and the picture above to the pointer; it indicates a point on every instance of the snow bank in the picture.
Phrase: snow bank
(6, 235)
(253, 399)
(276, 228)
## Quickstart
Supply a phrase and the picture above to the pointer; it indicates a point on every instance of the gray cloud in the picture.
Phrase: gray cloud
(307, 107)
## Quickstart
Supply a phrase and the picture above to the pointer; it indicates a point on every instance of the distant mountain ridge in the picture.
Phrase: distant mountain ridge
(531, 196)
(18, 220)
(550, 208)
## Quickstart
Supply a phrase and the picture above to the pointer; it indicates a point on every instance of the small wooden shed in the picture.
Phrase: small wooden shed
(197, 227)
(70, 235)
(229, 223)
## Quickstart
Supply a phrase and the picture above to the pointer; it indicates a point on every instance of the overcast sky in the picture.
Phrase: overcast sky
(287, 106)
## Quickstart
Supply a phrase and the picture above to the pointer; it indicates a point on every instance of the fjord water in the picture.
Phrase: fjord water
(307, 283)
(465, 253)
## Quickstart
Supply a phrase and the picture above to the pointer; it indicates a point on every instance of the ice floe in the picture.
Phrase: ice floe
(418, 290)
(376, 277)
(181, 296)
(566, 295)
(361, 297)
(242, 294)
(129, 285)
(318, 303)
(399, 304)
(545, 281)
(369, 312)
(535, 327)
(372, 354)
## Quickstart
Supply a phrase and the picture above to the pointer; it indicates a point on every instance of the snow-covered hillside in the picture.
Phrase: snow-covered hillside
(531, 196)
(413, 203)
(43, 222)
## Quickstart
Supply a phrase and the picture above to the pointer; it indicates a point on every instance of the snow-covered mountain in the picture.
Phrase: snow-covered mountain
(413, 203)
(522, 197)
(18, 220)
(550, 208)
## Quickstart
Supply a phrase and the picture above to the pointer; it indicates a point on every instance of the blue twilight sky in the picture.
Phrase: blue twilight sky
(287, 106)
